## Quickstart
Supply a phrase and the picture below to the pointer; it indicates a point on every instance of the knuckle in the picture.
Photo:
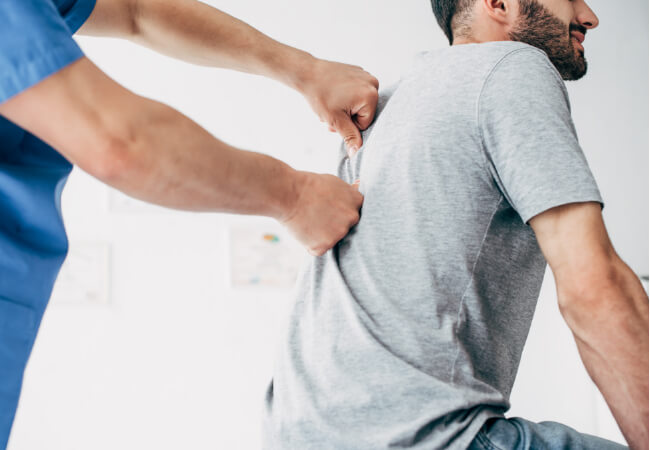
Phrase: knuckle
(370, 102)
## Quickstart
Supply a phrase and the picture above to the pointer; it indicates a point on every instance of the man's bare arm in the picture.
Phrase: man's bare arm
(152, 152)
(344, 96)
(606, 307)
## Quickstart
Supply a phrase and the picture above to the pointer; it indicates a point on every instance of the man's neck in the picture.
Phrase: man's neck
(465, 40)
(482, 32)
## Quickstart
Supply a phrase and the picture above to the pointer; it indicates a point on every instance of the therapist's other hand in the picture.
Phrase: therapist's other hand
(344, 97)
(324, 210)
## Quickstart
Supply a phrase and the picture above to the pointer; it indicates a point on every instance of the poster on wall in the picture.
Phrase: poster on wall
(263, 255)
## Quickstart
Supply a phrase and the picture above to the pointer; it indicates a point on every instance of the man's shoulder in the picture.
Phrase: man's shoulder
(521, 68)
(500, 49)
(476, 62)
(519, 57)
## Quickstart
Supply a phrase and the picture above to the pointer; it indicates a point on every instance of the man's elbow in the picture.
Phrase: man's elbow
(589, 291)
(595, 292)
(123, 144)
(134, 8)
(113, 161)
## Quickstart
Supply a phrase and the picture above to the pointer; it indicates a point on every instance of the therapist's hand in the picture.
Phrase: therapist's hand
(343, 96)
(324, 210)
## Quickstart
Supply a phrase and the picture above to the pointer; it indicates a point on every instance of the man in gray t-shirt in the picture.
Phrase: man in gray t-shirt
(408, 334)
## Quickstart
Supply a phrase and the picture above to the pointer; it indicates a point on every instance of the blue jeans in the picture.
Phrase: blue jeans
(516, 433)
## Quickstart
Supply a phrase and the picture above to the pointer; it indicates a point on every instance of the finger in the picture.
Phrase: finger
(359, 200)
(365, 110)
(354, 220)
(366, 114)
(374, 81)
(332, 130)
(358, 197)
(350, 133)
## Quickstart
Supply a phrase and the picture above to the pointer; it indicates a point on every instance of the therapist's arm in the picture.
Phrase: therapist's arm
(606, 307)
(151, 151)
(343, 96)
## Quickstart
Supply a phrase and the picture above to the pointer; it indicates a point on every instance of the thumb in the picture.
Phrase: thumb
(356, 184)
(350, 133)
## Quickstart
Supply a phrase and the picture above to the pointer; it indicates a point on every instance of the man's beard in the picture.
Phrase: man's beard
(538, 27)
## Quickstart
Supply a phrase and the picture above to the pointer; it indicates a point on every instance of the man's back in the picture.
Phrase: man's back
(409, 333)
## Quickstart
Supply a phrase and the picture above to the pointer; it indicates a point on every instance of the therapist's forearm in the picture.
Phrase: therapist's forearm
(200, 34)
(343, 96)
(207, 175)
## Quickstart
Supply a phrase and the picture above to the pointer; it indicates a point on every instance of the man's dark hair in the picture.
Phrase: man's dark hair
(453, 15)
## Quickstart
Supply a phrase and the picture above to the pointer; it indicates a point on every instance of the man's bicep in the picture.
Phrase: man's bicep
(79, 111)
(116, 18)
(576, 246)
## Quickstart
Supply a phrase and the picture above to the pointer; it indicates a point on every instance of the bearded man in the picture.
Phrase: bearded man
(409, 333)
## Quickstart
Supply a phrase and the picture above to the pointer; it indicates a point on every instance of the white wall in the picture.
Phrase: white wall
(170, 356)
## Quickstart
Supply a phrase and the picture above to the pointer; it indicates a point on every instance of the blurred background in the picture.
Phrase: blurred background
(161, 329)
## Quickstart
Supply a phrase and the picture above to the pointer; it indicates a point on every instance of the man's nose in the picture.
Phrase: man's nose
(585, 16)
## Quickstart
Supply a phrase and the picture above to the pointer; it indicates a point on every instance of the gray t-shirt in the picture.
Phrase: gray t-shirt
(409, 333)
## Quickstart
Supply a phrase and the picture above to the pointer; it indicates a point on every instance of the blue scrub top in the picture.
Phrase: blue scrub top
(35, 42)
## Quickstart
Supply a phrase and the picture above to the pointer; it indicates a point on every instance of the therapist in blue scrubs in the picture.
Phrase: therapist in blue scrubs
(58, 109)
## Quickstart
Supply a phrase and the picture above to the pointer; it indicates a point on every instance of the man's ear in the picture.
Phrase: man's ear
(503, 12)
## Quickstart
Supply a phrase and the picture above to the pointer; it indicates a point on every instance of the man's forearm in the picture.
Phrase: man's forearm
(200, 34)
(611, 333)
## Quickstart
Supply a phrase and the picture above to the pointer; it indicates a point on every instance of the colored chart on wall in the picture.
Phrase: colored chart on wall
(263, 256)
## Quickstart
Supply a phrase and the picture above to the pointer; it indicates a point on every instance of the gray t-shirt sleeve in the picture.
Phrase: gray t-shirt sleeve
(528, 136)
